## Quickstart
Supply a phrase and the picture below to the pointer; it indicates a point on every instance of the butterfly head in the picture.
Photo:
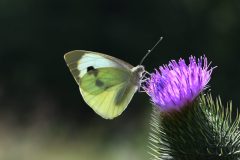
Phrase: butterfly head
(138, 71)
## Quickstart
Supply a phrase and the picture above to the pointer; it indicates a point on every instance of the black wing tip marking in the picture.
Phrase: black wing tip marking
(92, 70)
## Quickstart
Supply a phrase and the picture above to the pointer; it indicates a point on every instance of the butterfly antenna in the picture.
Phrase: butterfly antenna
(149, 51)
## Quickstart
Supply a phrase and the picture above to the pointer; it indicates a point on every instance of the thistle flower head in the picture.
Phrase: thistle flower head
(177, 84)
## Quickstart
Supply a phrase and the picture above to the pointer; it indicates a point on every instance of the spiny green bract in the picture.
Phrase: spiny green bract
(201, 131)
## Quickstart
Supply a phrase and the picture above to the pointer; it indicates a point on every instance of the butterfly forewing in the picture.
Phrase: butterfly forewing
(78, 62)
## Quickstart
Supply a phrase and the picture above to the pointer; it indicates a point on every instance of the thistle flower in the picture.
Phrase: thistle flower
(203, 131)
(178, 84)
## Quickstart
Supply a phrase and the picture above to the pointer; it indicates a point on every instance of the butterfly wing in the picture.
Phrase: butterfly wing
(104, 81)
(108, 93)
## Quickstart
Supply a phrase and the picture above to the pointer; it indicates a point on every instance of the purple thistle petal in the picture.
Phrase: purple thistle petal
(177, 84)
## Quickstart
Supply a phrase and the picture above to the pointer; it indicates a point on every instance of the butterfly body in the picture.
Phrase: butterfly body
(107, 84)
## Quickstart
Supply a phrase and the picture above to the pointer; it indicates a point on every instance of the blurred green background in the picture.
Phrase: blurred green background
(42, 115)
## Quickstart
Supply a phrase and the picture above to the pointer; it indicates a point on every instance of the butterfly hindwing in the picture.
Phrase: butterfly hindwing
(108, 92)
(98, 80)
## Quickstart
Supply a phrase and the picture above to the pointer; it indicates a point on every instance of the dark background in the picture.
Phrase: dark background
(37, 90)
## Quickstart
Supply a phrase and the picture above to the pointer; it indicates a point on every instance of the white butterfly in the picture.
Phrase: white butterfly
(106, 83)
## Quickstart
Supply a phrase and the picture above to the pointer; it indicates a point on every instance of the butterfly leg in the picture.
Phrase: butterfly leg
(147, 73)
(141, 86)
(145, 77)
(141, 89)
